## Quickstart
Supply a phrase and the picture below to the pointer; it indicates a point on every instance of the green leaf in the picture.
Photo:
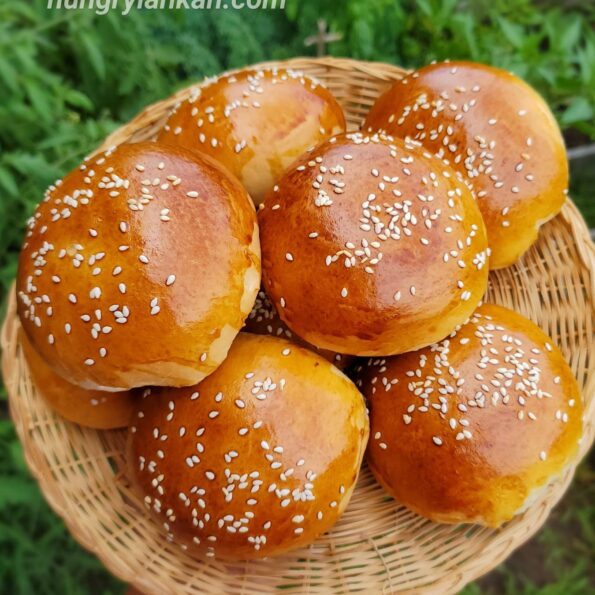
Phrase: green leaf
(39, 98)
(7, 182)
(78, 99)
(16, 490)
(579, 110)
(8, 75)
(93, 53)
(571, 32)
(512, 32)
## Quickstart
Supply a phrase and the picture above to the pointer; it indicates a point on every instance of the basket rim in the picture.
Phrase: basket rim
(572, 218)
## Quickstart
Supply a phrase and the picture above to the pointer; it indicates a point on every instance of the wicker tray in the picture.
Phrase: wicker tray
(378, 546)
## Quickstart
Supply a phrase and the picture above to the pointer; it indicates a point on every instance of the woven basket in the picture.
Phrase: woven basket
(378, 546)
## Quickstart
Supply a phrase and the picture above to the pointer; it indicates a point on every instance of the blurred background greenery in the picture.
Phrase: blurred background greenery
(67, 78)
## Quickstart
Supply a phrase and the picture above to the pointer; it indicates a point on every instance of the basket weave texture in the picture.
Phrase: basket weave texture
(377, 546)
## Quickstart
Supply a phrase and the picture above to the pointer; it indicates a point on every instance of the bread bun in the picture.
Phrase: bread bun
(139, 268)
(90, 408)
(256, 122)
(497, 131)
(261, 457)
(371, 247)
(264, 320)
(472, 428)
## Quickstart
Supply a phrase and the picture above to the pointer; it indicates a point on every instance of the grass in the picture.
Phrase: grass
(582, 187)
(557, 560)
(37, 554)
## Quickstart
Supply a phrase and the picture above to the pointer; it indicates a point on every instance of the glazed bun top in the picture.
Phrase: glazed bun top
(371, 247)
(497, 131)
(469, 429)
(265, 320)
(90, 408)
(139, 268)
(255, 122)
(259, 458)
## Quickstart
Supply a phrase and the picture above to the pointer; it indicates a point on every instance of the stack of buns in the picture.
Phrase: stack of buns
(154, 294)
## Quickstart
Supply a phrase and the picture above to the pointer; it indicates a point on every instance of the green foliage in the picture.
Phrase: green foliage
(552, 49)
(68, 78)
(37, 554)
(557, 561)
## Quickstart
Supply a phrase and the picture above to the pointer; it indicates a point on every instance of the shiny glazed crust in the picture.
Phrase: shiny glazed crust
(139, 268)
(497, 131)
(371, 247)
(256, 123)
(468, 430)
(259, 458)
(264, 320)
(90, 408)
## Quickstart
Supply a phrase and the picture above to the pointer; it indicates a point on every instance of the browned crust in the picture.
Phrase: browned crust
(90, 408)
(256, 123)
(497, 131)
(279, 423)
(265, 320)
(342, 283)
(516, 411)
(158, 238)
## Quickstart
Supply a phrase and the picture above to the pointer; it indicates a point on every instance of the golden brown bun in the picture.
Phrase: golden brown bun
(90, 408)
(256, 123)
(470, 429)
(139, 268)
(261, 457)
(370, 247)
(264, 320)
(497, 131)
